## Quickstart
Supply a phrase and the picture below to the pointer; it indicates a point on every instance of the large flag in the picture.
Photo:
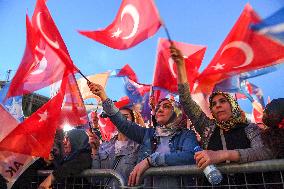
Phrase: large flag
(165, 75)
(100, 78)
(135, 21)
(12, 165)
(35, 135)
(243, 50)
(45, 59)
(45, 27)
(273, 26)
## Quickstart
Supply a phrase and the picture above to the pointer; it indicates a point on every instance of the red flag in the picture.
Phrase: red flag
(35, 135)
(243, 50)
(128, 71)
(257, 112)
(107, 128)
(135, 21)
(73, 111)
(165, 74)
(8, 122)
(47, 30)
(123, 101)
(40, 66)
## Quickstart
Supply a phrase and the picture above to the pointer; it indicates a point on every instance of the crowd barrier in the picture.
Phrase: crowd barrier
(270, 176)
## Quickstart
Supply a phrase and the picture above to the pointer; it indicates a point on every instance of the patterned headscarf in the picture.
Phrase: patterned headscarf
(177, 121)
(238, 116)
(273, 114)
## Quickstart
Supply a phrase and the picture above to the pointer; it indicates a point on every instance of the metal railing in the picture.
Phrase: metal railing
(90, 183)
(261, 167)
(271, 168)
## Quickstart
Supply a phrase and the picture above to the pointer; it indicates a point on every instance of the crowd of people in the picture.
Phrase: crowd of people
(226, 137)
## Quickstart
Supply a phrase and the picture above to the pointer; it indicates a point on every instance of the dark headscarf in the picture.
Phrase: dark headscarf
(177, 121)
(273, 113)
(79, 142)
(273, 136)
(238, 116)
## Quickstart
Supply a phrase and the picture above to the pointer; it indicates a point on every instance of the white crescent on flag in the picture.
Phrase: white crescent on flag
(42, 66)
(247, 50)
(132, 11)
(171, 66)
(49, 41)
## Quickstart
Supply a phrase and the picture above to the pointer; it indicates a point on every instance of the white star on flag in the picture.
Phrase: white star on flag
(43, 116)
(116, 33)
(218, 66)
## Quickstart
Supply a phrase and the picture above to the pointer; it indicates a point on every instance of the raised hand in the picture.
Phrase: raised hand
(176, 55)
(98, 90)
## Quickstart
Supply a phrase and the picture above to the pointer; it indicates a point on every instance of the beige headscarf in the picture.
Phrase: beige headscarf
(177, 121)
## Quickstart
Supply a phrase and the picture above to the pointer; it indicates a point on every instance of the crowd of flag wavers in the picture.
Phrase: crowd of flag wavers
(175, 130)
(167, 132)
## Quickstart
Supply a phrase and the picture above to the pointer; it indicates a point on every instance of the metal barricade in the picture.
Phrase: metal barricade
(269, 175)
(269, 172)
(86, 179)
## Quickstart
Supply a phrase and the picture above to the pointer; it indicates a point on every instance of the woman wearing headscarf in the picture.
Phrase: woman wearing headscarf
(228, 137)
(273, 118)
(170, 143)
(119, 154)
(77, 157)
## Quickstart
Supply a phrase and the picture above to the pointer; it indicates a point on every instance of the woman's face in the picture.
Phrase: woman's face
(164, 112)
(221, 108)
(127, 114)
(67, 146)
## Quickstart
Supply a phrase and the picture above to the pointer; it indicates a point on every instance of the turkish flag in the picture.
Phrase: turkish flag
(129, 72)
(73, 111)
(243, 50)
(135, 21)
(107, 128)
(40, 66)
(35, 135)
(165, 74)
(45, 27)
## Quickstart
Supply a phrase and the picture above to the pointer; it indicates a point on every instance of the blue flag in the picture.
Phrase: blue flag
(13, 105)
(273, 26)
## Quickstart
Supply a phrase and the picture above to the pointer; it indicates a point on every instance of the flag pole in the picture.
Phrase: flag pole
(165, 27)
(167, 33)
(83, 76)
